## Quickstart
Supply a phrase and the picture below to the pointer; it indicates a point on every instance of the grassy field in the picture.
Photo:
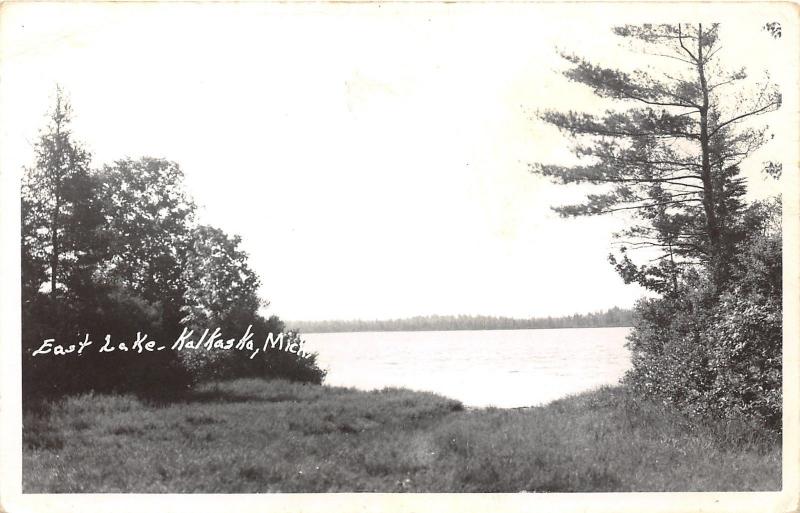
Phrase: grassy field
(258, 436)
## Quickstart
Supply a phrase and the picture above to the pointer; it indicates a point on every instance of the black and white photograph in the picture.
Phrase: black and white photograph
(399, 256)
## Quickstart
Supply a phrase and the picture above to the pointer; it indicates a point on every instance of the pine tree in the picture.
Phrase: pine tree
(672, 158)
(60, 216)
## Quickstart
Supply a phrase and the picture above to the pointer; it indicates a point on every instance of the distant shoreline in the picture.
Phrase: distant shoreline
(304, 332)
(612, 318)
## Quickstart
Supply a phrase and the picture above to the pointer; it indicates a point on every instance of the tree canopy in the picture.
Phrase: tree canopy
(118, 251)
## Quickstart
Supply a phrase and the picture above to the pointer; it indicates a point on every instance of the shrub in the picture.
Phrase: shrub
(286, 365)
(276, 362)
(745, 358)
(669, 355)
(112, 310)
(109, 310)
(716, 353)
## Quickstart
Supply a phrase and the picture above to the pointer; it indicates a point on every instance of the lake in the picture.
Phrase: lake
(503, 368)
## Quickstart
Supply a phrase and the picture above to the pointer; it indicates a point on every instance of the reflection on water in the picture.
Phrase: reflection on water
(505, 368)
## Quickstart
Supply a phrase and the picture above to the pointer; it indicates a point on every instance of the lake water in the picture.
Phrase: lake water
(504, 368)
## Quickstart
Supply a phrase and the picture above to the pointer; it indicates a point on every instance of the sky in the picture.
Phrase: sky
(373, 158)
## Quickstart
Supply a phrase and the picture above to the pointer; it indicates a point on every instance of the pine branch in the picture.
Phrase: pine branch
(680, 165)
(685, 105)
(670, 57)
(670, 196)
(632, 246)
(651, 205)
(582, 174)
(742, 116)
(720, 84)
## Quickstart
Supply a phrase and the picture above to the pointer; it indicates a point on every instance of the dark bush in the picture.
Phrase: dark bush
(745, 358)
(109, 311)
(716, 353)
(157, 374)
(274, 362)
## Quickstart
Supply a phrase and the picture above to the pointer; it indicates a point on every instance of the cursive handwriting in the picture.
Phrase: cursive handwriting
(208, 341)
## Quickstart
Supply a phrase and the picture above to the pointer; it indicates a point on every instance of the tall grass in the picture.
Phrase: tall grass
(275, 436)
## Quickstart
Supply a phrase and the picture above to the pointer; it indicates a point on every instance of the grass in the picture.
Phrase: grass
(259, 436)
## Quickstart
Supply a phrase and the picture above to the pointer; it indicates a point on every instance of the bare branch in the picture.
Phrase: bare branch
(711, 54)
(742, 116)
(680, 40)
(661, 203)
(669, 57)
(685, 105)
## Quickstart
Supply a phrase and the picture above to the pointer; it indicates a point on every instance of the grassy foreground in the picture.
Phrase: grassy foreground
(258, 436)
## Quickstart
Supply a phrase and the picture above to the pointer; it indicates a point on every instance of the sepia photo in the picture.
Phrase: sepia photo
(399, 256)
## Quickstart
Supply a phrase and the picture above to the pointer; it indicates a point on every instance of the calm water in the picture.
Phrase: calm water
(504, 368)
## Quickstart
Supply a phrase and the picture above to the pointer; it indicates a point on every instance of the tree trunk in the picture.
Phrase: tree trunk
(54, 240)
(712, 224)
(57, 208)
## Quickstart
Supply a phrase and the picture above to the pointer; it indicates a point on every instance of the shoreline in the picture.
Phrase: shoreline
(301, 332)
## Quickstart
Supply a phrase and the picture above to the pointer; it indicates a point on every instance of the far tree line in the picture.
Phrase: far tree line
(614, 317)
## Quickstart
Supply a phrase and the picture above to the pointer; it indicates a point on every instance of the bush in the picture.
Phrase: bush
(109, 310)
(276, 362)
(716, 353)
(159, 373)
(285, 365)
(669, 353)
(745, 358)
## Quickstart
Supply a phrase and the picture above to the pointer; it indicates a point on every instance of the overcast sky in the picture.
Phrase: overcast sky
(374, 158)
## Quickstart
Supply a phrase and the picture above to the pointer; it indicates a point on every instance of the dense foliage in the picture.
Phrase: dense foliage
(117, 252)
(710, 342)
(717, 353)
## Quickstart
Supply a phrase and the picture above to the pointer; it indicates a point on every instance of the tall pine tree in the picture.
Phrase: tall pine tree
(672, 157)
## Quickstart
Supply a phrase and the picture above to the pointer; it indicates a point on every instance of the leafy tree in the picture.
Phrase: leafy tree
(122, 256)
(672, 158)
(149, 219)
(221, 292)
(221, 282)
